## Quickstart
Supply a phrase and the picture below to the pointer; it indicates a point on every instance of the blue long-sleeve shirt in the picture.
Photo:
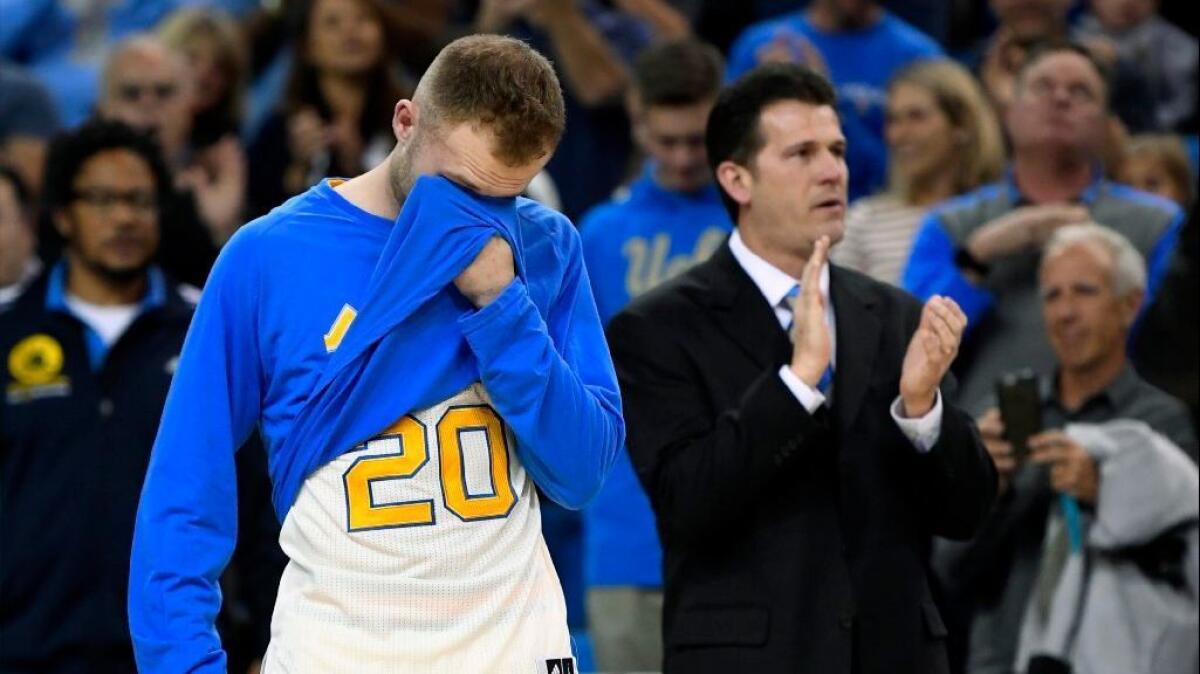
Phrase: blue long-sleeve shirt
(258, 353)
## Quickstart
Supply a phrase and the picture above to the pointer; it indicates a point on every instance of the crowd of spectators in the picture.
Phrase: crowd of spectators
(1036, 161)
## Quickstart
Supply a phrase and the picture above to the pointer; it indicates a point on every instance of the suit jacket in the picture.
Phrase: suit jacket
(792, 542)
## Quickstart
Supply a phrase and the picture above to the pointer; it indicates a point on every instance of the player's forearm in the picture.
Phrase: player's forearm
(183, 537)
(566, 417)
(186, 524)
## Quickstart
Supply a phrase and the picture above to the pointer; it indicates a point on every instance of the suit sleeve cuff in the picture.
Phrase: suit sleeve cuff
(808, 396)
(922, 432)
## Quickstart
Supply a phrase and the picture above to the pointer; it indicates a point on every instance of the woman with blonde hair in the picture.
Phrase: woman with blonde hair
(943, 140)
(214, 47)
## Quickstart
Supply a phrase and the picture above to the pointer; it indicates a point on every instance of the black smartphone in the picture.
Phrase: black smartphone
(1020, 409)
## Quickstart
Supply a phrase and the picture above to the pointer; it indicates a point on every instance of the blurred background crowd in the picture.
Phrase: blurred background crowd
(167, 124)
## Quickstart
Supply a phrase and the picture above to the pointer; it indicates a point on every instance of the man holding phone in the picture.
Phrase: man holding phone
(1091, 284)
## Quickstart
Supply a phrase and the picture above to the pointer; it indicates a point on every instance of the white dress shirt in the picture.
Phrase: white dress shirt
(774, 284)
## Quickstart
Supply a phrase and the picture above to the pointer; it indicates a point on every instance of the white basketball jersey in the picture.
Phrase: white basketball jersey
(420, 551)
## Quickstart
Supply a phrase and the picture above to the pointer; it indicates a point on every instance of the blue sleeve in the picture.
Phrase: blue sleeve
(593, 234)
(931, 271)
(553, 383)
(186, 523)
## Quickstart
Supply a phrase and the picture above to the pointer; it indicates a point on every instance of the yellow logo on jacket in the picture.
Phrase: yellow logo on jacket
(36, 360)
(36, 365)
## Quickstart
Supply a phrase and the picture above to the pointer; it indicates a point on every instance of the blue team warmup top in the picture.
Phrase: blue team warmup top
(320, 326)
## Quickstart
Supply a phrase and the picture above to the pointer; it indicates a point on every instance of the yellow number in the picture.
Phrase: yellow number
(411, 455)
(453, 424)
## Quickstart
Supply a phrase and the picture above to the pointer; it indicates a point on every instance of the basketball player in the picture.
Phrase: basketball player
(417, 348)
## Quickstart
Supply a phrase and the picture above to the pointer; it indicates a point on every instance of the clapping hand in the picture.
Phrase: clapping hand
(930, 353)
(813, 347)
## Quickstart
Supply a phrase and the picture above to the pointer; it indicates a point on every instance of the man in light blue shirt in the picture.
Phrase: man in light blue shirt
(670, 219)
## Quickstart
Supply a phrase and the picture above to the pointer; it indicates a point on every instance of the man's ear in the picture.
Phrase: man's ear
(736, 180)
(405, 117)
(1131, 306)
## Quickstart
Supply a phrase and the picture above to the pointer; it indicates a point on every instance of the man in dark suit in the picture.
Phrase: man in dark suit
(798, 459)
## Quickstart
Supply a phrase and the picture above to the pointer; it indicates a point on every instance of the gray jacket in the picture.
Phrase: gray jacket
(1105, 614)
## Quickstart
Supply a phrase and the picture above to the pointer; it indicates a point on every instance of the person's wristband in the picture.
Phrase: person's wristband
(964, 260)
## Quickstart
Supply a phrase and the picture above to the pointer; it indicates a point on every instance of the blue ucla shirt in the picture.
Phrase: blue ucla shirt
(635, 242)
(322, 324)
(861, 63)
(632, 244)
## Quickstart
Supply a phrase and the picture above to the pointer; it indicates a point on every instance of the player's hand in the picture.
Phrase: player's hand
(1072, 470)
(1026, 228)
(933, 348)
(812, 346)
(489, 274)
(991, 430)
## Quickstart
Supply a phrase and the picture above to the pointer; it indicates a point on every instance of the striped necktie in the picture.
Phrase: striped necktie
(789, 302)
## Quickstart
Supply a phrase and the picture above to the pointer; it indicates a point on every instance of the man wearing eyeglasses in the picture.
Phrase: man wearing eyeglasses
(87, 354)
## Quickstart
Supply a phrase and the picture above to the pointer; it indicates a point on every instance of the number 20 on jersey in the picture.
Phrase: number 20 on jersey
(411, 436)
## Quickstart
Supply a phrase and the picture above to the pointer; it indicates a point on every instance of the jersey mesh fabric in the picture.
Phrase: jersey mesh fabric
(452, 596)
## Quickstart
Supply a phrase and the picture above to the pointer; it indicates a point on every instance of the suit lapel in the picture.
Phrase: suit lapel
(742, 312)
(858, 330)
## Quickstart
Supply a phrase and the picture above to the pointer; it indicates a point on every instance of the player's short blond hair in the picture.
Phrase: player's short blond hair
(503, 85)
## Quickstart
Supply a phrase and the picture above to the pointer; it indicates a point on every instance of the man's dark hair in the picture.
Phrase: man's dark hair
(1042, 49)
(733, 131)
(69, 151)
(10, 176)
(680, 72)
